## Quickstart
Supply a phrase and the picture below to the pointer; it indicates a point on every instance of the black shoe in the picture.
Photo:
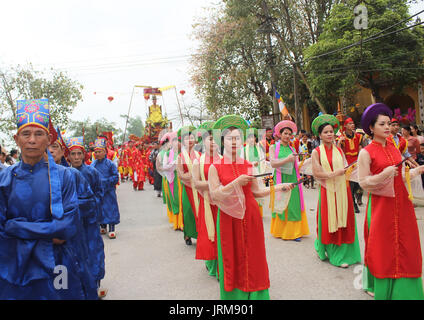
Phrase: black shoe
(188, 242)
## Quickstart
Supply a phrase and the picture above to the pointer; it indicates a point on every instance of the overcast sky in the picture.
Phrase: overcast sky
(108, 46)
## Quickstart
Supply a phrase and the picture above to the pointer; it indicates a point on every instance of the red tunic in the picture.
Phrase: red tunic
(351, 147)
(131, 157)
(125, 157)
(265, 144)
(392, 244)
(242, 240)
(138, 166)
(342, 235)
(205, 249)
(295, 144)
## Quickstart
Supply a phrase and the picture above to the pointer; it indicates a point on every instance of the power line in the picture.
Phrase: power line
(374, 37)
(128, 63)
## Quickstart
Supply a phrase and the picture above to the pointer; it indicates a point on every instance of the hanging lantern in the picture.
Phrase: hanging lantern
(94, 92)
(110, 99)
(182, 92)
(146, 97)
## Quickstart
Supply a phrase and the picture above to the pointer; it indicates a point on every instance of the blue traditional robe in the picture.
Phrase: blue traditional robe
(87, 211)
(110, 177)
(96, 254)
(29, 220)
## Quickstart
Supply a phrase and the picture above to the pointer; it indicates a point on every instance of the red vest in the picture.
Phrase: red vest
(402, 146)
(351, 147)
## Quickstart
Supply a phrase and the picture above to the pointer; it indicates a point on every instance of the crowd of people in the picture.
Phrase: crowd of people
(58, 200)
(53, 207)
(214, 185)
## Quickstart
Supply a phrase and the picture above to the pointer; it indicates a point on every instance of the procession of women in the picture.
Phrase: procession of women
(217, 179)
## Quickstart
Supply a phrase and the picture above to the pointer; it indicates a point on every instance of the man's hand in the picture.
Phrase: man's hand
(58, 241)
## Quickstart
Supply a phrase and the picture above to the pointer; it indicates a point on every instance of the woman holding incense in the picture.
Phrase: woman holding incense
(337, 237)
(242, 263)
(289, 222)
(393, 258)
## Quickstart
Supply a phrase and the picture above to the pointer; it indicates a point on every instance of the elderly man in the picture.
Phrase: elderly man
(87, 212)
(38, 216)
(96, 255)
(110, 177)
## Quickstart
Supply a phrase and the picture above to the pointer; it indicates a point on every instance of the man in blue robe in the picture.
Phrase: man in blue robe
(96, 255)
(87, 210)
(38, 216)
(110, 177)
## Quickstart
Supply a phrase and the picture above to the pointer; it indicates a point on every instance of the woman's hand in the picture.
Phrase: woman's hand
(391, 171)
(285, 187)
(420, 169)
(291, 158)
(244, 179)
(337, 173)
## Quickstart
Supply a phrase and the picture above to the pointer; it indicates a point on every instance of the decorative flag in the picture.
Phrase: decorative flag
(166, 88)
(281, 104)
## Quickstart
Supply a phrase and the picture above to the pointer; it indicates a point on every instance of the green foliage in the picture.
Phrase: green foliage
(23, 82)
(242, 41)
(393, 61)
(135, 126)
(93, 129)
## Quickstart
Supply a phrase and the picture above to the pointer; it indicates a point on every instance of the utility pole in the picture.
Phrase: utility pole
(270, 54)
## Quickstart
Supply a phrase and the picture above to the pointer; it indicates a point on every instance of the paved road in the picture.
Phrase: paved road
(149, 260)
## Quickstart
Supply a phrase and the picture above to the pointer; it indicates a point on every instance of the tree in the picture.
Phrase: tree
(395, 60)
(23, 82)
(92, 130)
(135, 126)
(250, 48)
(229, 69)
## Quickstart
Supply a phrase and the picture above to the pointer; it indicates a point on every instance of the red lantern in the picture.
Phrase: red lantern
(110, 98)
(146, 97)
(182, 92)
